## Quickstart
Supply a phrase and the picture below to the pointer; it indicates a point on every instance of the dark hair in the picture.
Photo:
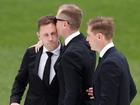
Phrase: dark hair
(104, 25)
(46, 20)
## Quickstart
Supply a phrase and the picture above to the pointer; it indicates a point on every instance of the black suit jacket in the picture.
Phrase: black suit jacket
(113, 84)
(38, 92)
(75, 69)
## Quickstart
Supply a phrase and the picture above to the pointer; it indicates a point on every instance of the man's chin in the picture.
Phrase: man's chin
(49, 48)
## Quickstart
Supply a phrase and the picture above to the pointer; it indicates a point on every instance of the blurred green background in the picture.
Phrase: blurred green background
(18, 26)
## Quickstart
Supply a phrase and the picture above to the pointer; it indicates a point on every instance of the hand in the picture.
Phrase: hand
(15, 104)
(90, 93)
(38, 45)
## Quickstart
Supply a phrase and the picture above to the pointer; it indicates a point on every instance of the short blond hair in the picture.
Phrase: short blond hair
(71, 13)
(104, 25)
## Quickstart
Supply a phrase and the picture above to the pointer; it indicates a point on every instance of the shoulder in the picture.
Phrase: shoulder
(31, 50)
(117, 57)
(115, 60)
(79, 45)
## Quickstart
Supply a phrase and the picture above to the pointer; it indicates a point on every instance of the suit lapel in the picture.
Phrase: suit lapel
(37, 60)
(109, 51)
(59, 58)
(64, 48)
(75, 39)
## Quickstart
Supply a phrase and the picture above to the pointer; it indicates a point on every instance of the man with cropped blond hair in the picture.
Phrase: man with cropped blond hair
(75, 66)
(113, 83)
(72, 14)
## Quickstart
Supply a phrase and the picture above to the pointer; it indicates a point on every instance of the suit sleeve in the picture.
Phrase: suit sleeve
(110, 80)
(133, 90)
(21, 80)
(72, 78)
(88, 63)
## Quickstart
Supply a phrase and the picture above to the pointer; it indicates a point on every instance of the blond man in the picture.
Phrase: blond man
(76, 64)
(113, 84)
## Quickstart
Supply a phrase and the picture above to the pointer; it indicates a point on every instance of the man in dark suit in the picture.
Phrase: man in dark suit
(37, 69)
(75, 66)
(113, 83)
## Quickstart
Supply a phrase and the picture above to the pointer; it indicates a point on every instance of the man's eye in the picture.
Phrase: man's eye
(53, 34)
(46, 35)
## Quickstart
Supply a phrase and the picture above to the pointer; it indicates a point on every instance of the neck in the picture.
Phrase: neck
(103, 45)
(68, 33)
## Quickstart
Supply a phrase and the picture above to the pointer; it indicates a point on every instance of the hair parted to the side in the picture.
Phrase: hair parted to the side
(104, 25)
(71, 13)
(44, 20)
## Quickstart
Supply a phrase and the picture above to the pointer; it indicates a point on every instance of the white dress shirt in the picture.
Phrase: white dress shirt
(108, 46)
(43, 60)
(69, 38)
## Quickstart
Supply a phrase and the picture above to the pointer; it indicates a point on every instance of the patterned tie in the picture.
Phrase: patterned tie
(46, 75)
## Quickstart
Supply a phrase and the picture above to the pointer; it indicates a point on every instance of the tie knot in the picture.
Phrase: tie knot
(49, 54)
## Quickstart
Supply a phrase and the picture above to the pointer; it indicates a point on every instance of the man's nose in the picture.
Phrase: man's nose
(50, 37)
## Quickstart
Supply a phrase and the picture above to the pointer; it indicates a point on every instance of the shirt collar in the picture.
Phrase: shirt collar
(55, 52)
(108, 46)
(70, 37)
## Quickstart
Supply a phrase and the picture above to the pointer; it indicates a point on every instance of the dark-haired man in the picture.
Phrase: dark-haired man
(37, 69)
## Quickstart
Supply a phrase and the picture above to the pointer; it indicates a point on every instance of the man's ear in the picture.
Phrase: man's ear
(100, 35)
(65, 24)
(38, 35)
